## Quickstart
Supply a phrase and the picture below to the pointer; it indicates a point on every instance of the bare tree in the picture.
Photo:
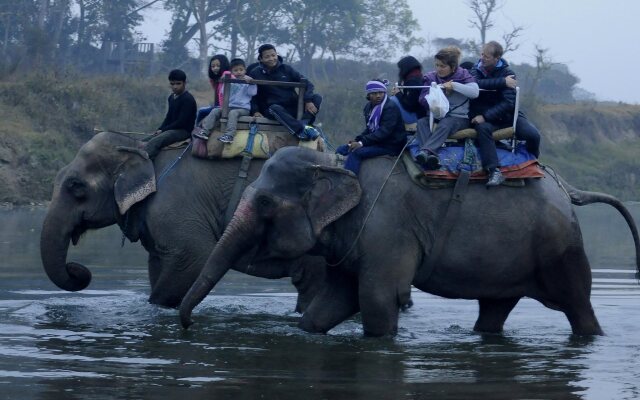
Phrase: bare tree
(543, 65)
(509, 38)
(483, 11)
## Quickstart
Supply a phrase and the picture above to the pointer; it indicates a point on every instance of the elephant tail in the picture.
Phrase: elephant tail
(582, 198)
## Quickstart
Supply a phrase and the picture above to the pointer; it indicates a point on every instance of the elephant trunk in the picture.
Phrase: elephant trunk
(239, 237)
(54, 244)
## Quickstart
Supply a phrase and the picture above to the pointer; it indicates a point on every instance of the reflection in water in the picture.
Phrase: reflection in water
(107, 342)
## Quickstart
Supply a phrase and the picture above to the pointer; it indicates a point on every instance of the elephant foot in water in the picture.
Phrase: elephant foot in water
(493, 313)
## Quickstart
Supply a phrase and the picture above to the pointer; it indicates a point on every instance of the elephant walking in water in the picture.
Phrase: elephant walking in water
(508, 242)
(110, 181)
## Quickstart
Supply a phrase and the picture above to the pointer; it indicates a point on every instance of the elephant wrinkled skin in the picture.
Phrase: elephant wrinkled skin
(179, 222)
(508, 242)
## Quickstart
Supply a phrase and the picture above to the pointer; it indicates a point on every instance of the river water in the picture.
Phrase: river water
(107, 342)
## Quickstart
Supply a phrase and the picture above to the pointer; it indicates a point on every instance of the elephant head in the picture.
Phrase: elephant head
(108, 175)
(283, 217)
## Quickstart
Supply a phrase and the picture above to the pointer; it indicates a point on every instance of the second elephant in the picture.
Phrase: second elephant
(507, 243)
(110, 181)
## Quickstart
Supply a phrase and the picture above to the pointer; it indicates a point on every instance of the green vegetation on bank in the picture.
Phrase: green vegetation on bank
(47, 117)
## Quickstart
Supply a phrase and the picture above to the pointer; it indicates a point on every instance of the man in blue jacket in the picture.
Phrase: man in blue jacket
(494, 109)
(281, 103)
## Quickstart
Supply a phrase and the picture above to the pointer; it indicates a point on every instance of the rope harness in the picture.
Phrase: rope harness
(375, 200)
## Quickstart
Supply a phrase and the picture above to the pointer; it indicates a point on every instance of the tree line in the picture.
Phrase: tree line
(314, 35)
(38, 32)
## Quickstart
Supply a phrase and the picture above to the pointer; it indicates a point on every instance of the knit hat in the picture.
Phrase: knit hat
(376, 86)
(406, 65)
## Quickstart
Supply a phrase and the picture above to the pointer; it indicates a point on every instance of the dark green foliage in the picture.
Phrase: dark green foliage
(47, 117)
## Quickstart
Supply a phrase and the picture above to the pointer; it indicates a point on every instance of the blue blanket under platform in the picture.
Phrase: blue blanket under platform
(451, 156)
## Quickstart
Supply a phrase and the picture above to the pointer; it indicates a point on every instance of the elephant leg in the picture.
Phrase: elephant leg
(308, 276)
(567, 287)
(154, 266)
(337, 301)
(379, 311)
(385, 287)
(172, 271)
(493, 313)
(582, 319)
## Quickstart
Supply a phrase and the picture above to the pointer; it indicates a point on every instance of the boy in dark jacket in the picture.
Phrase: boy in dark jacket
(384, 133)
(494, 109)
(281, 103)
(180, 118)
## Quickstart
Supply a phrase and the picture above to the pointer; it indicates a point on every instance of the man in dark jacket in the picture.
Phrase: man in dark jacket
(180, 118)
(281, 103)
(494, 109)
(384, 132)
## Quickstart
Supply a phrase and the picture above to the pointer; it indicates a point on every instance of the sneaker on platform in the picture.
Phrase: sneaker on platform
(495, 178)
(226, 138)
(201, 134)
(309, 133)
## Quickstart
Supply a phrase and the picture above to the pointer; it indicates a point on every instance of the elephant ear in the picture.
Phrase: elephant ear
(333, 193)
(136, 179)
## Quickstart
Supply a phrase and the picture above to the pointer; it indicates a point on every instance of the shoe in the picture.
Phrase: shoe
(226, 138)
(429, 161)
(421, 158)
(309, 133)
(433, 162)
(495, 178)
(201, 134)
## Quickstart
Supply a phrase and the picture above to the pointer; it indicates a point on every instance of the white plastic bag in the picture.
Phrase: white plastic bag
(438, 102)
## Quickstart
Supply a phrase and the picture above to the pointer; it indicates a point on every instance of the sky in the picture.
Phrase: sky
(597, 39)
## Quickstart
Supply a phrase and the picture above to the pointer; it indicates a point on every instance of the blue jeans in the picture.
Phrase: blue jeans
(202, 112)
(354, 158)
(285, 115)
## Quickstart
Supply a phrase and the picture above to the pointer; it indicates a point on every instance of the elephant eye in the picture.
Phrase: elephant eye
(77, 188)
(265, 206)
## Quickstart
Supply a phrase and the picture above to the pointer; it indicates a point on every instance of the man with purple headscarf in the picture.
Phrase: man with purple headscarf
(384, 133)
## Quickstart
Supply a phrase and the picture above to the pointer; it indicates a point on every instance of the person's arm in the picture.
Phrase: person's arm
(410, 98)
(252, 89)
(503, 108)
(295, 76)
(388, 121)
(494, 83)
(423, 94)
(469, 90)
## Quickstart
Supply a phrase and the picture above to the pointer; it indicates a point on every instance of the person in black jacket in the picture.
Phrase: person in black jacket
(180, 118)
(384, 133)
(409, 74)
(494, 109)
(281, 103)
